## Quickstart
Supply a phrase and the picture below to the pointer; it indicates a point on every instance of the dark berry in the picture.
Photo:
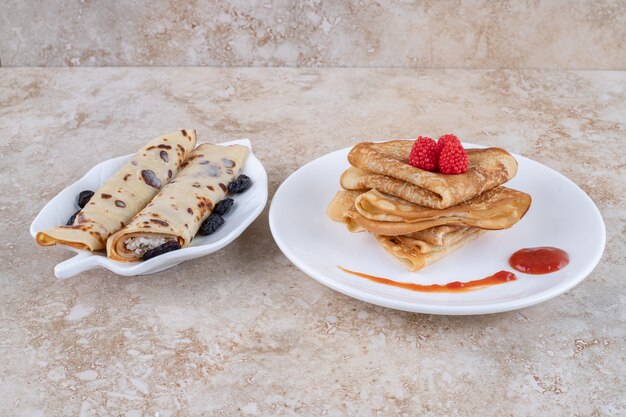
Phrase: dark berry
(70, 221)
(84, 197)
(211, 224)
(240, 184)
(223, 206)
(160, 250)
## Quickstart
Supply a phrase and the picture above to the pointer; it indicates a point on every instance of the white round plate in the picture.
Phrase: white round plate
(247, 207)
(561, 215)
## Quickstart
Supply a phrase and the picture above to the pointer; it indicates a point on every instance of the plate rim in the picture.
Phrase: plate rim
(359, 294)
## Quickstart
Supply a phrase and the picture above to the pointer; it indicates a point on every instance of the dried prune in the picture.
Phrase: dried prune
(240, 184)
(169, 246)
(211, 224)
(84, 197)
(223, 206)
(70, 221)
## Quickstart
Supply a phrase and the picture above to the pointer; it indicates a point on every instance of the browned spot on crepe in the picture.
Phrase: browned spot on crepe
(161, 222)
(150, 178)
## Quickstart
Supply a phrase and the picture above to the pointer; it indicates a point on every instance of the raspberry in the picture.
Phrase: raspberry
(445, 139)
(453, 159)
(424, 154)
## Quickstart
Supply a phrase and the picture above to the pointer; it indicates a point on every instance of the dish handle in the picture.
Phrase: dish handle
(82, 262)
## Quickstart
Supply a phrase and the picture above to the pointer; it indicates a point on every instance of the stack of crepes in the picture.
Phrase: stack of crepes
(419, 216)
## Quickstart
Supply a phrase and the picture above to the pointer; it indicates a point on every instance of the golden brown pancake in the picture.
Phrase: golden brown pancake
(438, 235)
(338, 207)
(384, 166)
(412, 254)
(453, 235)
(414, 250)
(381, 214)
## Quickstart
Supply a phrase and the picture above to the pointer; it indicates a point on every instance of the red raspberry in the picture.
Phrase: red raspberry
(424, 154)
(445, 139)
(453, 159)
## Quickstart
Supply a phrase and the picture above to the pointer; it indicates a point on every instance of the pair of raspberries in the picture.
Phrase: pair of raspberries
(446, 155)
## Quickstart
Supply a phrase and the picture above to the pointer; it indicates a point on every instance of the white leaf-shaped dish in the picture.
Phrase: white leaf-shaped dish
(247, 207)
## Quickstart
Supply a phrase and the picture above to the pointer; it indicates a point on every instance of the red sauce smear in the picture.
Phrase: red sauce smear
(500, 277)
(541, 260)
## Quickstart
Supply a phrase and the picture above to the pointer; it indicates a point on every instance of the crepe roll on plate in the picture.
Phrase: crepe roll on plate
(177, 212)
(385, 167)
(423, 244)
(438, 235)
(498, 208)
(339, 206)
(415, 254)
(427, 240)
(414, 250)
(126, 193)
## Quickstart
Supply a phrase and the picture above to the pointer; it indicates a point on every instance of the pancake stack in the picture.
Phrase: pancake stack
(419, 216)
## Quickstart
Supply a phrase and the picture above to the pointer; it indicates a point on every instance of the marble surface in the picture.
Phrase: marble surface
(428, 33)
(243, 332)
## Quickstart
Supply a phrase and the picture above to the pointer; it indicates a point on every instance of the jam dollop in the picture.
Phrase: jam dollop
(540, 260)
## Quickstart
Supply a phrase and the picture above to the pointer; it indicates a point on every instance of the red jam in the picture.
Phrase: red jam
(500, 277)
(541, 260)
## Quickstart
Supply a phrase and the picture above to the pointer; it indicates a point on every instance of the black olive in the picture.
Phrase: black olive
(84, 197)
(240, 184)
(160, 250)
(223, 206)
(70, 221)
(211, 224)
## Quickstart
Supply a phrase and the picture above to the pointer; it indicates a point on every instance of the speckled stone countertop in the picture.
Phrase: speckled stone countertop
(244, 332)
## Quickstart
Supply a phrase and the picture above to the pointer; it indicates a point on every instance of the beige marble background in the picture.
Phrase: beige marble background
(243, 332)
(467, 34)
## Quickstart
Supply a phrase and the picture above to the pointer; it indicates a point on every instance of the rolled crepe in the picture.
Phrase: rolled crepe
(415, 250)
(177, 212)
(498, 208)
(425, 245)
(416, 254)
(384, 166)
(339, 206)
(438, 235)
(428, 240)
(124, 194)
